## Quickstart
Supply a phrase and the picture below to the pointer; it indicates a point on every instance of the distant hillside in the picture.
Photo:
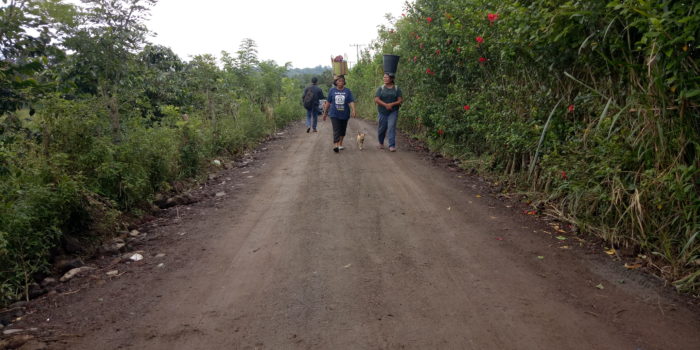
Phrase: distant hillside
(318, 70)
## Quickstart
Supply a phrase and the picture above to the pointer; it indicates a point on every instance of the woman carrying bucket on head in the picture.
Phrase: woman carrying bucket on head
(388, 99)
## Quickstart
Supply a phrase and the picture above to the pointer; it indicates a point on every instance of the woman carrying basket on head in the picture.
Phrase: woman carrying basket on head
(340, 106)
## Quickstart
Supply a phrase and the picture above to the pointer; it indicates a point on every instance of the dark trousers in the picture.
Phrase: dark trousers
(339, 128)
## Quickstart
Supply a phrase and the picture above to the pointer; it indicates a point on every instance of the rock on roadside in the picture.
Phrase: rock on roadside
(74, 272)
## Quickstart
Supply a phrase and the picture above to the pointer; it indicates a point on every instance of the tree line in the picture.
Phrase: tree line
(95, 121)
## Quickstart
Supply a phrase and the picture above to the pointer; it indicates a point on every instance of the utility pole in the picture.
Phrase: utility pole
(357, 51)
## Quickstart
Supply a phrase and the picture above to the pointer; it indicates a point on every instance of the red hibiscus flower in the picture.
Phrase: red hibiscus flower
(492, 17)
(437, 52)
(482, 59)
(467, 107)
(440, 132)
(429, 71)
(563, 175)
(571, 108)
(429, 19)
(479, 39)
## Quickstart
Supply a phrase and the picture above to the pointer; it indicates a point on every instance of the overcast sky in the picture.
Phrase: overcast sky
(305, 33)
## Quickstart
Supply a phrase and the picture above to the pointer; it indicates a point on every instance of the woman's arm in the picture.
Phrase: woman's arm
(326, 105)
(378, 101)
(352, 109)
(398, 102)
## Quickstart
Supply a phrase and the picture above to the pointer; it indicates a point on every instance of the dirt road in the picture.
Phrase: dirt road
(308, 249)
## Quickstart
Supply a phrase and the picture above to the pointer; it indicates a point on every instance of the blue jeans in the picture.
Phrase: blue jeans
(387, 125)
(312, 114)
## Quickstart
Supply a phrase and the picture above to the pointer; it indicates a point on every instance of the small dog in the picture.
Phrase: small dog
(360, 140)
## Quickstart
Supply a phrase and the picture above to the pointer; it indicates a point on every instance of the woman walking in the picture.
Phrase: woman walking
(340, 106)
(388, 99)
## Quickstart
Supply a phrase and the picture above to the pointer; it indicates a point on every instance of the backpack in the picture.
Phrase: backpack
(396, 88)
(309, 96)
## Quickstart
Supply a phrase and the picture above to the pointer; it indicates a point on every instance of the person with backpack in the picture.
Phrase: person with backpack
(312, 94)
(388, 99)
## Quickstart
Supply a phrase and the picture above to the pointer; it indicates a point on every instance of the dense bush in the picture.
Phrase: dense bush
(99, 122)
(594, 103)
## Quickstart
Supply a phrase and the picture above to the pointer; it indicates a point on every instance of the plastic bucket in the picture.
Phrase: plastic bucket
(391, 63)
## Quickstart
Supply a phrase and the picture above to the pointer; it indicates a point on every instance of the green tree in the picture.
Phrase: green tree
(104, 46)
(30, 31)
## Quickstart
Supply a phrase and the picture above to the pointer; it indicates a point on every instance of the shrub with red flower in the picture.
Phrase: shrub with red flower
(571, 108)
(429, 19)
(467, 107)
(429, 71)
(482, 59)
(479, 40)
(492, 17)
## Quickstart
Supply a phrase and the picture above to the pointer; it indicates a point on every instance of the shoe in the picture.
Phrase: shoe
(380, 147)
(336, 150)
(341, 147)
(392, 149)
(315, 130)
(307, 130)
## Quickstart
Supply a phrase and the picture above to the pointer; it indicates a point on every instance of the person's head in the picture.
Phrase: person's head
(388, 78)
(339, 81)
(314, 80)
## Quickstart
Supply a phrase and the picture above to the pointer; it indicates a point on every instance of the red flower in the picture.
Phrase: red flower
(479, 39)
(571, 108)
(492, 17)
(440, 132)
(459, 50)
(403, 15)
(429, 19)
(415, 58)
(437, 52)
(417, 37)
(467, 107)
(429, 71)
(563, 175)
(482, 59)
